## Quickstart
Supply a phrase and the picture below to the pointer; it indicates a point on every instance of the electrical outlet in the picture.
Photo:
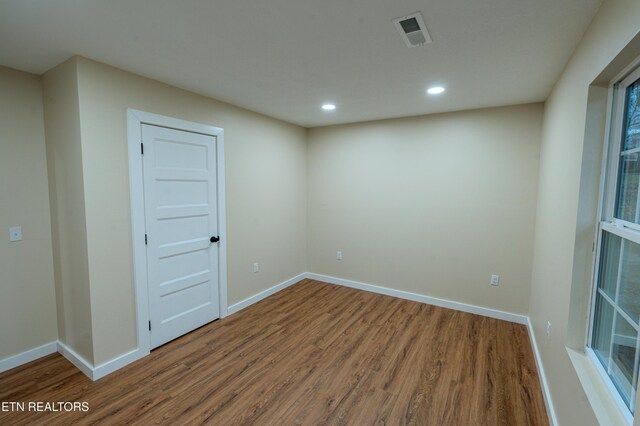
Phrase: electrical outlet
(256, 267)
(495, 279)
(548, 328)
(338, 255)
(15, 233)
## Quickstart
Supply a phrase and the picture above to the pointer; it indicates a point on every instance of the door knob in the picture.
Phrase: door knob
(214, 239)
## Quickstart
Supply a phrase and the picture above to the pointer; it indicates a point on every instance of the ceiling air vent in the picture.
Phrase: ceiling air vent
(413, 30)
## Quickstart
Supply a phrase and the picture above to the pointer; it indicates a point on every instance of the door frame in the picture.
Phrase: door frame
(135, 119)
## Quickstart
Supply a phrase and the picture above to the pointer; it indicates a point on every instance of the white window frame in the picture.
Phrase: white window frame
(608, 223)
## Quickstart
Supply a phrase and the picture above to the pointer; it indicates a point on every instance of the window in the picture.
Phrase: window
(615, 321)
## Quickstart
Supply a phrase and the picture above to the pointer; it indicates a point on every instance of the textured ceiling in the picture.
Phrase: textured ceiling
(284, 58)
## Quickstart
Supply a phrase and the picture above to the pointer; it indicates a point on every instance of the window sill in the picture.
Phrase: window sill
(604, 406)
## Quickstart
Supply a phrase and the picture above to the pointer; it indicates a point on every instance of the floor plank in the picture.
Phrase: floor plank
(312, 354)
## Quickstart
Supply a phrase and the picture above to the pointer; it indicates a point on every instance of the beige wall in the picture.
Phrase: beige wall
(559, 188)
(27, 303)
(265, 162)
(66, 184)
(432, 205)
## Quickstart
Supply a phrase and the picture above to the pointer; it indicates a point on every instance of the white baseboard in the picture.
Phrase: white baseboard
(458, 306)
(492, 313)
(27, 356)
(110, 366)
(551, 412)
(75, 359)
(117, 363)
(236, 307)
(95, 373)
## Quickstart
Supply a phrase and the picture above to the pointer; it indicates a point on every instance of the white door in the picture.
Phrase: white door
(181, 218)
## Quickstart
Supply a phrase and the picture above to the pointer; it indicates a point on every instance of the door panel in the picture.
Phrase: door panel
(181, 216)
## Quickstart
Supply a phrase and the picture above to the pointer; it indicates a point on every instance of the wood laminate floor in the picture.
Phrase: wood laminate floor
(312, 354)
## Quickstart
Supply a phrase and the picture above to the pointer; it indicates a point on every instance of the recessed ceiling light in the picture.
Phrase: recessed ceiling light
(328, 107)
(435, 90)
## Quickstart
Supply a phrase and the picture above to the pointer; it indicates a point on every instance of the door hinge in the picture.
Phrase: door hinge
(146, 241)
(142, 148)
(149, 325)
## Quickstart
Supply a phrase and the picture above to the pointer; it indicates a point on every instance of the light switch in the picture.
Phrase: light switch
(15, 233)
